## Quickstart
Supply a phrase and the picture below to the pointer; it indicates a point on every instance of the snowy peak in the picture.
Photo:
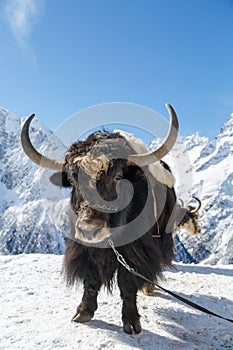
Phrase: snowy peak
(221, 146)
(194, 140)
(227, 129)
(22, 187)
(222, 143)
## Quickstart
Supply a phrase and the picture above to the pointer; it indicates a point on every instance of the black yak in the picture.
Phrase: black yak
(122, 192)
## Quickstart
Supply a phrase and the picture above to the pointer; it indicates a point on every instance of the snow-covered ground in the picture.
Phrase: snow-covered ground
(36, 310)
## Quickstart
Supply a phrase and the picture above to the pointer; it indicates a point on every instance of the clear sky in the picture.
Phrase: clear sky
(60, 56)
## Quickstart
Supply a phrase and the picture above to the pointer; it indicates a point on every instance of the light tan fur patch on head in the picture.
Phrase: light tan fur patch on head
(91, 165)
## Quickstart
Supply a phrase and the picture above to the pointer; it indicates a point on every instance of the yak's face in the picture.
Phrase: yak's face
(190, 222)
(100, 196)
(94, 200)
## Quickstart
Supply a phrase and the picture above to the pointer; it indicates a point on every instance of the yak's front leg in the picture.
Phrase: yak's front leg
(130, 315)
(88, 306)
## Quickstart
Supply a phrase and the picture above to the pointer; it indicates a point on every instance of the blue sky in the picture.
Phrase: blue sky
(61, 56)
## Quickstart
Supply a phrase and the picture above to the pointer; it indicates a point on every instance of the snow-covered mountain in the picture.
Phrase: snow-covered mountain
(34, 214)
(213, 183)
(26, 214)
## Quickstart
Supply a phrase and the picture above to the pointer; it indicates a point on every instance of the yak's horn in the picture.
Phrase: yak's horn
(149, 158)
(182, 202)
(198, 207)
(33, 154)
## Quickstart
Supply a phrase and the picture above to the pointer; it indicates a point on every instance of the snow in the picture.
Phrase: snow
(37, 307)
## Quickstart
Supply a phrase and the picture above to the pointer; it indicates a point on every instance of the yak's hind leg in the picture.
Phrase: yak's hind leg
(148, 289)
(130, 315)
(88, 305)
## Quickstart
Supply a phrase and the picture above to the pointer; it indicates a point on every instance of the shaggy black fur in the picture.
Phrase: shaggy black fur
(147, 255)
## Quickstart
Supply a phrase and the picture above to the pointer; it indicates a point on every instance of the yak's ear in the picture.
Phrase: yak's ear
(60, 179)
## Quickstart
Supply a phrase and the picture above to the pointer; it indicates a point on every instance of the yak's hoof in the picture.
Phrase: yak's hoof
(148, 290)
(82, 317)
(132, 328)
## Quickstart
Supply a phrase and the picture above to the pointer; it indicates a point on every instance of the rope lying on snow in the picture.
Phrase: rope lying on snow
(122, 261)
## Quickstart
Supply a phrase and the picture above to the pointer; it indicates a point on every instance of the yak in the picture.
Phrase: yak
(120, 194)
(190, 218)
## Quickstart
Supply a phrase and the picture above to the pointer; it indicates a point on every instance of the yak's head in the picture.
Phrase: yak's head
(190, 218)
(103, 184)
(95, 169)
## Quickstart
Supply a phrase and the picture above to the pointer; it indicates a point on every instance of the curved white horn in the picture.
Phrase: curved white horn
(148, 158)
(33, 154)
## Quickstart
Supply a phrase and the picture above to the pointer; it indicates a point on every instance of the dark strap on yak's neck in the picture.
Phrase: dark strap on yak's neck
(122, 261)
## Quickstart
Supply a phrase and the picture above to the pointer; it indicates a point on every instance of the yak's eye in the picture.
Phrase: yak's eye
(119, 176)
